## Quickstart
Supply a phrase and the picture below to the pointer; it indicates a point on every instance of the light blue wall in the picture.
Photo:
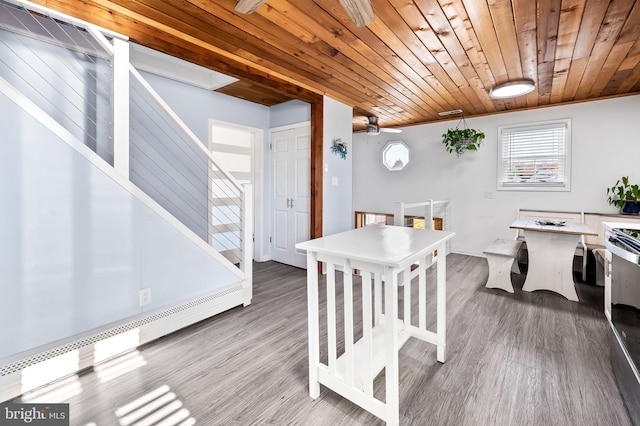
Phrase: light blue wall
(76, 246)
(196, 106)
(337, 211)
(291, 112)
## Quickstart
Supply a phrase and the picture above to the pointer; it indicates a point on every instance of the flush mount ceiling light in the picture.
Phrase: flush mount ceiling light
(511, 89)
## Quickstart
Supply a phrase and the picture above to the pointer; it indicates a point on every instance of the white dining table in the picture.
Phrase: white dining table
(385, 258)
(551, 248)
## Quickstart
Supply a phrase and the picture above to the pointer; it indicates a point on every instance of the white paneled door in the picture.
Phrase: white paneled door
(290, 159)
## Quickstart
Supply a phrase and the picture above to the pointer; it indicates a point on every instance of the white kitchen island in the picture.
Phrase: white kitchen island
(379, 254)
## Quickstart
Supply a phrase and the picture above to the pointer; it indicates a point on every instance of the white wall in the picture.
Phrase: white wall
(605, 146)
(337, 215)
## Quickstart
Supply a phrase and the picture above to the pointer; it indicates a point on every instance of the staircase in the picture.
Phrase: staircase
(110, 196)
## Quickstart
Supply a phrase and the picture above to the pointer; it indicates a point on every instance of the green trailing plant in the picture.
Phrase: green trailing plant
(461, 140)
(622, 193)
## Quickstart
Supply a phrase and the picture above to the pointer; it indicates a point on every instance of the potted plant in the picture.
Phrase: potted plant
(461, 140)
(624, 196)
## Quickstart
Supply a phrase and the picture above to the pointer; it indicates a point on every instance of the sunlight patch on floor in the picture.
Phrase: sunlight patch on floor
(158, 407)
(55, 392)
(49, 370)
(119, 366)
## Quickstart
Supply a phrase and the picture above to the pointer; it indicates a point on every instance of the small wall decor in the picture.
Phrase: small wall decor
(339, 148)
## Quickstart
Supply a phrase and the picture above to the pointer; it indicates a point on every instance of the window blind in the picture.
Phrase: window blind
(534, 155)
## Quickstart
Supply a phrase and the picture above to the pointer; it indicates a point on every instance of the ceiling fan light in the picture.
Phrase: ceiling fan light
(511, 89)
(373, 128)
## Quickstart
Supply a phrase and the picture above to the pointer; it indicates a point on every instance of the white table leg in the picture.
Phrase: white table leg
(441, 279)
(391, 371)
(551, 262)
(314, 326)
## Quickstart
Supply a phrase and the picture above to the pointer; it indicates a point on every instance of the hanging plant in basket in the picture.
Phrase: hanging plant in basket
(460, 140)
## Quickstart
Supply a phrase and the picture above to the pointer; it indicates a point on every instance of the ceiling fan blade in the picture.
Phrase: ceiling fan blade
(248, 6)
(383, 129)
(360, 11)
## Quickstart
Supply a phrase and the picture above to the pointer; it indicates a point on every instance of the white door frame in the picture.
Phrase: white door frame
(258, 184)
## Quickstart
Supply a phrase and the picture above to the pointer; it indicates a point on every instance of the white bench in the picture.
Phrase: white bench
(500, 256)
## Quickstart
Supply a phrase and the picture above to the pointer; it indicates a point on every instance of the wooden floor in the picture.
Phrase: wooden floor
(513, 359)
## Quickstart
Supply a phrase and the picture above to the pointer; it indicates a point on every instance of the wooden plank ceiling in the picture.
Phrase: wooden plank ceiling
(416, 59)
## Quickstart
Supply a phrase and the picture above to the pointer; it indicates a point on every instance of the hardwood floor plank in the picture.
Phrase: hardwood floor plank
(522, 358)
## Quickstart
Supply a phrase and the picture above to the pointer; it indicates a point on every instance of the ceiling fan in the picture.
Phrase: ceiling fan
(360, 11)
(374, 129)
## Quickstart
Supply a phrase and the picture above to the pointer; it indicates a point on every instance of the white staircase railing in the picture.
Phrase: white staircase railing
(93, 92)
(429, 210)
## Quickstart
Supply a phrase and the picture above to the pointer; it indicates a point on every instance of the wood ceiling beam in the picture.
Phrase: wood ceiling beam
(163, 38)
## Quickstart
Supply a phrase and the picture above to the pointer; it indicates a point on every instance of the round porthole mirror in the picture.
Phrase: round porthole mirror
(395, 155)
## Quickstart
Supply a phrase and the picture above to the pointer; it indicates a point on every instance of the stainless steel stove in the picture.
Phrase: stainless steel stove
(622, 307)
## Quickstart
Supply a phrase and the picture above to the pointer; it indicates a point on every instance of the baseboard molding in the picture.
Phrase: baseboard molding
(47, 365)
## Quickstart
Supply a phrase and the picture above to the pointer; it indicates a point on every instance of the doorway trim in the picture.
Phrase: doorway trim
(259, 232)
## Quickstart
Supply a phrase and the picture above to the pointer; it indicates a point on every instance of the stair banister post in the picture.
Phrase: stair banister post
(120, 106)
(398, 213)
(246, 262)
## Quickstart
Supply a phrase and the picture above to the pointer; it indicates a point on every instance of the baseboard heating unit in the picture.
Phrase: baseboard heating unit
(62, 359)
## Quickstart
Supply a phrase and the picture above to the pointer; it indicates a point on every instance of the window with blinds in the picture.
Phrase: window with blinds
(535, 157)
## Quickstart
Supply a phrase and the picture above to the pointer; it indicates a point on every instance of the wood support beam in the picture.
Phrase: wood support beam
(317, 136)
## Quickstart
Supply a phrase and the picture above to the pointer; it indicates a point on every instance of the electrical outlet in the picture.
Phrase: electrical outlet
(145, 296)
